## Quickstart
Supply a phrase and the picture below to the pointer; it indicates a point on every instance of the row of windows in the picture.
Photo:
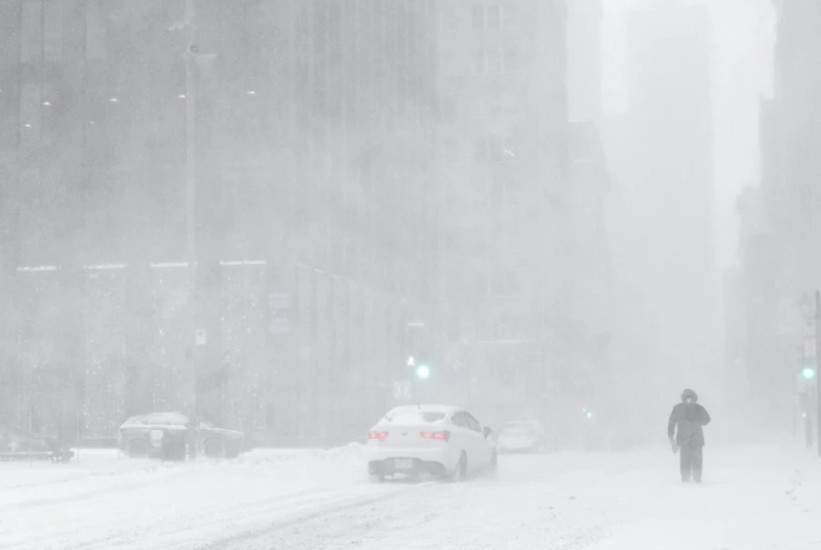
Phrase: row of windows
(498, 328)
(500, 283)
(493, 17)
(494, 148)
(495, 61)
(489, 148)
(482, 108)
(490, 107)
(490, 16)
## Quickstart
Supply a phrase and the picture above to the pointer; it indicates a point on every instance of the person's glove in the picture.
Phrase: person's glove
(673, 445)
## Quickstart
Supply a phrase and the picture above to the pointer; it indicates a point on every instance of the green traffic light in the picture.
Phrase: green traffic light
(423, 372)
(808, 373)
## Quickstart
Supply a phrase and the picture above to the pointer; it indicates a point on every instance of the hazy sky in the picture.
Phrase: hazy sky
(743, 36)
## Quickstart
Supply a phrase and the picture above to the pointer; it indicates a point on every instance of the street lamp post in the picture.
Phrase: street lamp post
(190, 136)
(818, 369)
(191, 224)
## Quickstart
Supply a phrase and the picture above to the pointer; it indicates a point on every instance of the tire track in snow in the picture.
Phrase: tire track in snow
(249, 519)
(261, 536)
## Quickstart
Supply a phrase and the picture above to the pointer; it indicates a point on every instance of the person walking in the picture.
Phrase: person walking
(684, 430)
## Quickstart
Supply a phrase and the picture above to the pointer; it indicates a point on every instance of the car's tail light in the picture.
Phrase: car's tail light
(378, 435)
(441, 436)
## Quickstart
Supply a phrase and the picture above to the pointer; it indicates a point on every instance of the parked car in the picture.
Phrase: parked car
(523, 436)
(167, 435)
(19, 444)
(440, 440)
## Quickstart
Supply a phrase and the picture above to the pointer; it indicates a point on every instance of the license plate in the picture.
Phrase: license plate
(403, 463)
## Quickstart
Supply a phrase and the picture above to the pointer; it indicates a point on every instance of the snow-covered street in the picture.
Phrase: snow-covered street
(752, 498)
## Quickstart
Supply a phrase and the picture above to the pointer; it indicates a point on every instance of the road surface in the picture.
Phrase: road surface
(752, 498)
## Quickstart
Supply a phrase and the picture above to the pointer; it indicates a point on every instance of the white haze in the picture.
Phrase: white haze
(373, 185)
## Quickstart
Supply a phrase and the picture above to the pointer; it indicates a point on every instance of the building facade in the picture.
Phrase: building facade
(780, 225)
(259, 211)
(313, 230)
(503, 147)
(660, 152)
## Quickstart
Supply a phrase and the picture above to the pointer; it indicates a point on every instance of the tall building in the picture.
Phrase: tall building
(503, 155)
(779, 257)
(308, 127)
(662, 153)
(373, 180)
(584, 68)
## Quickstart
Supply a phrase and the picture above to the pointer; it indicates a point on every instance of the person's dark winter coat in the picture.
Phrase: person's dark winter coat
(685, 425)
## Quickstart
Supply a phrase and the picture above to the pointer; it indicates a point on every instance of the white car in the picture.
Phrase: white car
(522, 436)
(440, 440)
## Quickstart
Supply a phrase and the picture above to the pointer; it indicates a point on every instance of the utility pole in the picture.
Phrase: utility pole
(191, 227)
(817, 369)
(190, 137)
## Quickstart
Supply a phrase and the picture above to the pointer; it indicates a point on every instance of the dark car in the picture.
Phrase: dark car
(168, 435)
(19, 444)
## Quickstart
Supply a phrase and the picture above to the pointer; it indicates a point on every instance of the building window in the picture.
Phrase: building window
(505, 375)
(495, 148)
(493, 16)
(502, 328)
(495, 61)
(505, 192)
(480, 149)
(447, 20)
(480, 62)
(490, 107)
(509, 61)
(508, 16)
(478, 17)
(510, 106)
(447, 109)
(504, 283)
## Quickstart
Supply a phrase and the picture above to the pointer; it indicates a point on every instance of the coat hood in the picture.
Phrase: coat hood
(689, 394)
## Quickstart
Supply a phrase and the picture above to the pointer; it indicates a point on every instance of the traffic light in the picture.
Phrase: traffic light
(422, 372)
(808, 372)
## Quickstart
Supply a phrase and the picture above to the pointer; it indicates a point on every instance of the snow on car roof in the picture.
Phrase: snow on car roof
(427, 408)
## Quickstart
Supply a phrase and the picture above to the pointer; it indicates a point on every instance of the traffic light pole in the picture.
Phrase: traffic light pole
(818, 369)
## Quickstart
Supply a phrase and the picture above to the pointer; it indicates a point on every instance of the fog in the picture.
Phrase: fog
(268, 215)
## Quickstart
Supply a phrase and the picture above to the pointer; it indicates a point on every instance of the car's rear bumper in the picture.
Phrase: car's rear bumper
(411, 461)
(417, 466)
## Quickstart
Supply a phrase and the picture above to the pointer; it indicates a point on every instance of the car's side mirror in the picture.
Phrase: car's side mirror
(487, 431)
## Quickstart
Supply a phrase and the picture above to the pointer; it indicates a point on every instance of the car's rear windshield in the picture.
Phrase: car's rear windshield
(517, 429)
(414, 417)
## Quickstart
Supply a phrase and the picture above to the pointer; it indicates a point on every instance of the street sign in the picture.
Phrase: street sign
(402, 389)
